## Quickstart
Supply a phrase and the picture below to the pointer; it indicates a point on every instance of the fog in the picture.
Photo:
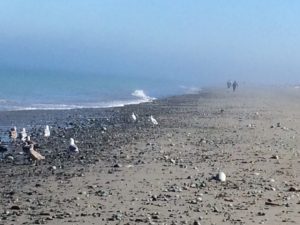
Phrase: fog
(204, 41)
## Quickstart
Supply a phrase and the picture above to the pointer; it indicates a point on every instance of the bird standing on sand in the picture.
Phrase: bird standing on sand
(154, 121)
(47, 131)
(133, 116)
(23, 134)
(33, 154)
(13, 134)
(73, 147)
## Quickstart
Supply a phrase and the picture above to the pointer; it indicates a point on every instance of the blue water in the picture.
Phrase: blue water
(65, 90)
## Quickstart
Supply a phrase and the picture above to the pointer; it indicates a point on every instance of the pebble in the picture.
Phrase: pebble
(221, 176)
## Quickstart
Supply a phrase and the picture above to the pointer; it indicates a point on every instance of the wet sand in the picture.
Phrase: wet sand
(137, 173)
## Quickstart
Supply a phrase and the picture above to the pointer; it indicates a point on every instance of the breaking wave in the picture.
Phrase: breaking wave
(142, 96)
(139, 97)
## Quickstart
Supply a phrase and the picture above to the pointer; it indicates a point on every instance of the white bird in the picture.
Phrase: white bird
(47, 131)
(154, 121)
(133, 116)
(23, 134)
(73, 147)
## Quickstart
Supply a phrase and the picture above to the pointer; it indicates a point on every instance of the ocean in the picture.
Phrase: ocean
(27, 90)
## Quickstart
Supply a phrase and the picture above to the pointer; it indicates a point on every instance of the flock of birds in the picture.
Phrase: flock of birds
(29, 146)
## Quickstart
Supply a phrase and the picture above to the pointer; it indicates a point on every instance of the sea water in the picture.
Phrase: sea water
(28, 90)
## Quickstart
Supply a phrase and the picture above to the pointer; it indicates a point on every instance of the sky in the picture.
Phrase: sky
(209, 41)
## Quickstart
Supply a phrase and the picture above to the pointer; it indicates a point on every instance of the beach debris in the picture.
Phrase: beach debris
(153, 121)
(13, 133)
(221, 176)
(53, 167)
(251, 125)
(23, 134)
(47, 131)
(103, 129)
(73, 147)
(133, 116)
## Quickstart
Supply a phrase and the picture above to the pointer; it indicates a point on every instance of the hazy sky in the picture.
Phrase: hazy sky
(209, 40)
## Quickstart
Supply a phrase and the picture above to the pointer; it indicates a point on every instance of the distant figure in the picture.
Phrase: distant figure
(229, 83)
(47, 131)
(234, 85)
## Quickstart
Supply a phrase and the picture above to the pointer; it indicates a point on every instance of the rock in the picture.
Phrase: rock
(275, 157)
(196, 222)
(11, 158)
(293, 189)
(15, 207)
(117, 165)
(221, 176)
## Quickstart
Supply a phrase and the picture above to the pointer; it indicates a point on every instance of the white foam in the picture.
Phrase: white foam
(142, 96)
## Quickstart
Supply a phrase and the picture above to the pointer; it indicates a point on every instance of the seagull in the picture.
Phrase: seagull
(34, 155)
(47, 131)
(13, 133)
(23, 134)
(73, 147)
(154, 121)
(133, 116)
(31, 152)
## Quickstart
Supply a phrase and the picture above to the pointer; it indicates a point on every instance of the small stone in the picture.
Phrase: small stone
(196, 222)
(117, 165)
(275, 157)
(221, 176)
(293, 189)
(11, 158)
(15, 207)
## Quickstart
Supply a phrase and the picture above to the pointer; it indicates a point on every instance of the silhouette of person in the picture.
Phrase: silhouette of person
(234, 85)
(229, 83)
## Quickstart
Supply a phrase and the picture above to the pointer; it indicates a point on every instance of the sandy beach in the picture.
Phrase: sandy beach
(134, 172)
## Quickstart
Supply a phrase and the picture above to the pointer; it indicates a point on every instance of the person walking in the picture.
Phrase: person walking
(234, 85)
(229, 83)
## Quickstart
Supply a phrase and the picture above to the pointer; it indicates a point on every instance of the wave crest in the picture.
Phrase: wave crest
(141, 95)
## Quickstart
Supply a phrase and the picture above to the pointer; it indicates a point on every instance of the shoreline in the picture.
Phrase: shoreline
(137, 173)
